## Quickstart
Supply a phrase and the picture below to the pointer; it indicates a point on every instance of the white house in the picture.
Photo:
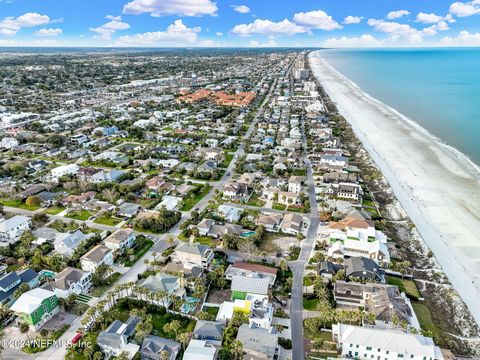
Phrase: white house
(9, 143)
(368, 343)
(99, 255)
(12, 228)
(120, 240)
(200, 350)
(70, 281)
(62, 170)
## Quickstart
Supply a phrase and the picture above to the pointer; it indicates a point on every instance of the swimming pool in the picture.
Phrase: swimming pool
(247, 233)
(189, 305)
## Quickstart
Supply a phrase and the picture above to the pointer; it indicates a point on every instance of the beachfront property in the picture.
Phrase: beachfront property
(363, 343)
(36, 307)
(385, 301)
(200, 350)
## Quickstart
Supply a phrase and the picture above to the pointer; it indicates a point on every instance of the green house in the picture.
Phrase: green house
(36, 307)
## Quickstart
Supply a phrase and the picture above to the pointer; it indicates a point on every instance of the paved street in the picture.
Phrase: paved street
(298, 267)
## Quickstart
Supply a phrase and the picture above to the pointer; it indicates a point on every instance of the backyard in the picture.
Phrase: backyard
(107, 219)
(140, 247)
(82, 215)
(198, 194)
(18, 203)
(405, 285)
(54, 210)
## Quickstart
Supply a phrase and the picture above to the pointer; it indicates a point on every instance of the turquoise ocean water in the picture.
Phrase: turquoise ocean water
(438, 88)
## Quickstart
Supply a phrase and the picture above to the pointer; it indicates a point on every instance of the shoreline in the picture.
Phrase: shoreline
(435, 183)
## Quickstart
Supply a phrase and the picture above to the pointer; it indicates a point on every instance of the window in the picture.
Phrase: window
(369, 348)
(400, 355)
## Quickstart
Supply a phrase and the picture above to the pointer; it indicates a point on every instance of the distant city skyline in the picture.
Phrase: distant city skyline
(232, 23)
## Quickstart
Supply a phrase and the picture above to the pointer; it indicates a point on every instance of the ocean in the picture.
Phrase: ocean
(438, 88)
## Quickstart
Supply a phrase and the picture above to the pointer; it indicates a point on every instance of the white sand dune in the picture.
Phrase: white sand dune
(438, 186)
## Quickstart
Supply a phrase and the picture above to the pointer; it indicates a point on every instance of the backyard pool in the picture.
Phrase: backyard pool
(190, 305)
(247, 233)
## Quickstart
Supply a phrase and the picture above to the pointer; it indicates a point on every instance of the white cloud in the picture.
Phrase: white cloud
(171, 7)
(400, 33)
(9, 26)
(364, 40)
(461, 9)
(242, 9)
(429, 18)
(317, 19)
(106, 30)
(269, 43)
(268, 27)
(397, 14)
(177, 34)
(464, 38)
(352, 19)
(208, 43)
(219, 33)
(49, 32)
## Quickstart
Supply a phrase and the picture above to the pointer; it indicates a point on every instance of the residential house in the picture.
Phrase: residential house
(70, 281)
(253, 284)
(12, 281)
(295, 184)
(288, 198)
(235, 191)
(259, 343)
(66, 243)
(328, 269)
(374, 250)
(385, 301)
(271, 221)
(156, 183)
(200, 350)
(208, 227)
(36, 307)
(364, 269)
(114, 340)
(62, 170)
(154, 346)
(164, 283)
(364, 343)
(100, 254)
(293, 224)
(240, 268)
(197, 254)
(12, 228)
(120, 240)
(230, 213)
(128, 209)
(209, 331)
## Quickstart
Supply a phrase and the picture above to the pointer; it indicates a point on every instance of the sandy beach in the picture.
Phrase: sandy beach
(438, 187)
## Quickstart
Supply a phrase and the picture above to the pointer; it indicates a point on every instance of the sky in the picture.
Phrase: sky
(238, 23)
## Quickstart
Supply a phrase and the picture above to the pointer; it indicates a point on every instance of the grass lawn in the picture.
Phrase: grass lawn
(142, 245)
(83, 215)
(426, 322)
(310, 303)
(300, 209)
(63, 226)
(299, 172)
(205, 240)
(17, 203)
(54, 210)
(107, 220)
(255, 201)
(159, 320)
(211, 310)
(100, 290)
(277, 206)
(405, 285)
(226, 161)
(189, 203)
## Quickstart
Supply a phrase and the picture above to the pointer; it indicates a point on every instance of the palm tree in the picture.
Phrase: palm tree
(237, 349)
(183, 339)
